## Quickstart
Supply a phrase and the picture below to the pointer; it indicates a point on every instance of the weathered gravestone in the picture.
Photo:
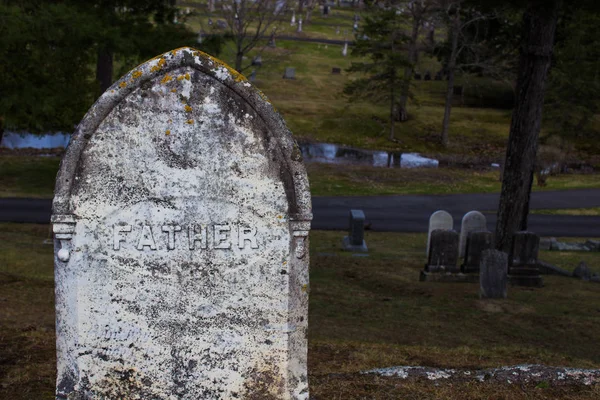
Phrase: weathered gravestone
(355, 241)
(438, 220)
(443, 251)
(493, 274)
(477, 243)
(523, 267)
(289, 73)
(181, 218)
(471, 222)
(336, 70)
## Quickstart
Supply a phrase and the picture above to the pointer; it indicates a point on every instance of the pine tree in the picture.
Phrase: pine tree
(381, 40)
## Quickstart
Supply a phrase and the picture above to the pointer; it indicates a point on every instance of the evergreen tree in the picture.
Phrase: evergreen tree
(381, 40)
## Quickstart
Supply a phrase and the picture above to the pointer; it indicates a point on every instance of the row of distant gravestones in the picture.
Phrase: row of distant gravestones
(475, 245)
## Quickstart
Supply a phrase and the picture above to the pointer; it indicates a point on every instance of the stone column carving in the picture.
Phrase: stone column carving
(63, 227)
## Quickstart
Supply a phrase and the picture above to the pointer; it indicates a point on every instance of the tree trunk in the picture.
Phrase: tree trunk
(300, 6)
(539, 25)
(412, 59)
(1, 129)
(239, 58)
(453, 33)
(392, 112)
(104, 68)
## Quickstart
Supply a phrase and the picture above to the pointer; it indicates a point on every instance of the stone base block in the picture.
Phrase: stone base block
(448, 277)
(526, 280)
(348, 246)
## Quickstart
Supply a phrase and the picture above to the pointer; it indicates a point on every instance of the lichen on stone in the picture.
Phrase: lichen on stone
(167, 78)
(136, 74)
(122, 84)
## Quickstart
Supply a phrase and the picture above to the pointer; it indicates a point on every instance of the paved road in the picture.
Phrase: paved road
(398, 213)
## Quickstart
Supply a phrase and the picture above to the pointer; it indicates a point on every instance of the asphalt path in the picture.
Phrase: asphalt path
(398, 213)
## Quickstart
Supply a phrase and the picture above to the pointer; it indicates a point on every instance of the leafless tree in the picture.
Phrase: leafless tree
(249, 21)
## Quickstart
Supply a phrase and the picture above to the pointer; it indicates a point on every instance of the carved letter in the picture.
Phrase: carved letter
(146, 239)
(117, 239)
(194, 236)
(221, 236)
(247, 234)
(170, 230)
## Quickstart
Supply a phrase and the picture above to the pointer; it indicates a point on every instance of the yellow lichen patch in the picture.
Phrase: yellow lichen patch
(122, 84)
(180, 77)
(285, 262)
(166, 79)
(112, 91)
(188, 108)
(136, 74)
(170, 121)
(159, 65)
(279, 216)
(174, 90)
(236, 75)
(174, 52)
(168, 132)
(187, 76)
(190, 121)
(304, 288)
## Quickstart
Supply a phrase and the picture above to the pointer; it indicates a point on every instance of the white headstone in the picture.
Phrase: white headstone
(293, 21)
(181, 218)
(438, 220)
(300, 25)
(345, 49)
(471, 222)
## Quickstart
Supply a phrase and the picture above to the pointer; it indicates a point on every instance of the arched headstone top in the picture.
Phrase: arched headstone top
(181, 219)
(286, 152)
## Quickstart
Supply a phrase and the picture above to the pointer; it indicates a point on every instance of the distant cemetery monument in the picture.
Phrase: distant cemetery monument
(181, 218)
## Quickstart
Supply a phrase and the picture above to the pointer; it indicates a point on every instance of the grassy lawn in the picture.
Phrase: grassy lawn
(364, 313)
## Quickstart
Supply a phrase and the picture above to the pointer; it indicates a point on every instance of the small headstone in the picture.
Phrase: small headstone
(337, 30)
(181, 218)
(427, 76)
(325, 9)
(345, 49)
(477, 243)
(257, 61)
(523, 266)
(525, 249)
(443, 251)
(221, 24)
(417, 76)
(582, 271)
(210, 21)
(289, 73)
(293, 21)
(493, 274)
(272, 43)
(355, 26)
(336, 71)
(438, 220)
(355, 241)
(299, 26)
(252, 76)
(471, 222)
